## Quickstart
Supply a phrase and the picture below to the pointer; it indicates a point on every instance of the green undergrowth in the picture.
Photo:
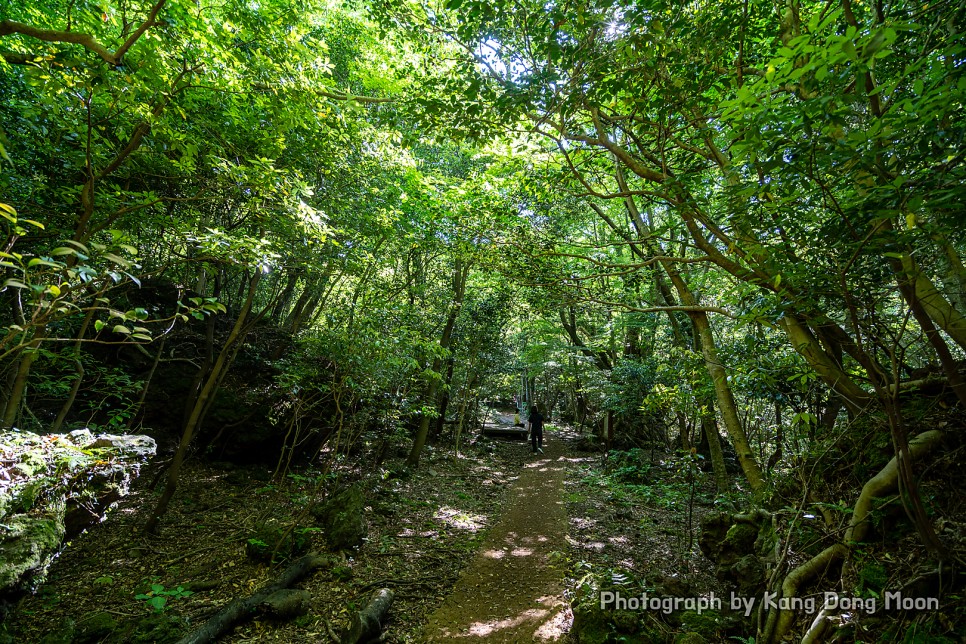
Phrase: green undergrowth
(635, 517)
(671, 481)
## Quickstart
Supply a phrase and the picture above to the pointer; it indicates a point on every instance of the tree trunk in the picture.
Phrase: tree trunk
(240, 610)
(709, 427)
(935, 338)
(444, 398)
(200, 405)
(79, 370)
(885, 482)
(719, 376)
(954, 280)
(942, 313)
(460, 273)
(196, 383)
(568, 319)
(854, 397)
(367, 624)
(27, 356)
(281, 305)
(147, 385)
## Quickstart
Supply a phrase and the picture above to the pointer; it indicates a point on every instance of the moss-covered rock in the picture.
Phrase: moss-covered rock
(25, 499)
(689, 638)
(749, 574)
(591, 624)
(595, 625)
(94, 628)
(28, 543)
(155, 629)
(342, 573)
(739, 545)
(63, 634)
(706, 624)
(59, 485)
(287, 603)
(343, 518)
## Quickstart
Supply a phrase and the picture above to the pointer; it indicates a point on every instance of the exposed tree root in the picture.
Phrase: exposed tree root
(780, 621)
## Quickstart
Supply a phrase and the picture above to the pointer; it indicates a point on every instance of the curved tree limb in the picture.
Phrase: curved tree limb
(886, 481)
(9, 27)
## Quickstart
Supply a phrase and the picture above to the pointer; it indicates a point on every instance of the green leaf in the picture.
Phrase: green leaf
(849, 48)
(79, 246)
(120, 261)
(36, 261)
(120, 328)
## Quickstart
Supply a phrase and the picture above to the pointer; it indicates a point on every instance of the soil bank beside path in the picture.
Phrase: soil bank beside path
(511, 591)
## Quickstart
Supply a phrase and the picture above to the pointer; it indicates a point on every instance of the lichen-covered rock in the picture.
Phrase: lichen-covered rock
(131, 445)
(57, 485)
(28, 543)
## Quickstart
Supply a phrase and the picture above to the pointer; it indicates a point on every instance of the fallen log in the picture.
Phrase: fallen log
(244, 609)
(367, 623)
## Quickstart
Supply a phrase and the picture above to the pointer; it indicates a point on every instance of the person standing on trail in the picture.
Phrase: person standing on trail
(535, 427)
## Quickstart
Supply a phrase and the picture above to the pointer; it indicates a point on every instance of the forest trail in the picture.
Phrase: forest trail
(511, 592)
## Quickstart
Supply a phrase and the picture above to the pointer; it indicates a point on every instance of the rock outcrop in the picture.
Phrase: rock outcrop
(55, 486)
(741, 546)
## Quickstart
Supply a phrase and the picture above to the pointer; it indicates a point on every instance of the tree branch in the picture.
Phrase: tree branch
(9, 27)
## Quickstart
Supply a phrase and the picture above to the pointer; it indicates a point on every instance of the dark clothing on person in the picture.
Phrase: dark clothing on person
(536, 429)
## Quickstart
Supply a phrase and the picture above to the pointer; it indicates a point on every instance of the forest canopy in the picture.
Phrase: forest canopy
(352, 223)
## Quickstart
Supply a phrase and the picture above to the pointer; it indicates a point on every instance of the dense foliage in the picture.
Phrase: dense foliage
(347, 227)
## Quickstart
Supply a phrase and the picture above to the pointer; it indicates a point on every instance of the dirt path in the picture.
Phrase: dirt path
(511, 592)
